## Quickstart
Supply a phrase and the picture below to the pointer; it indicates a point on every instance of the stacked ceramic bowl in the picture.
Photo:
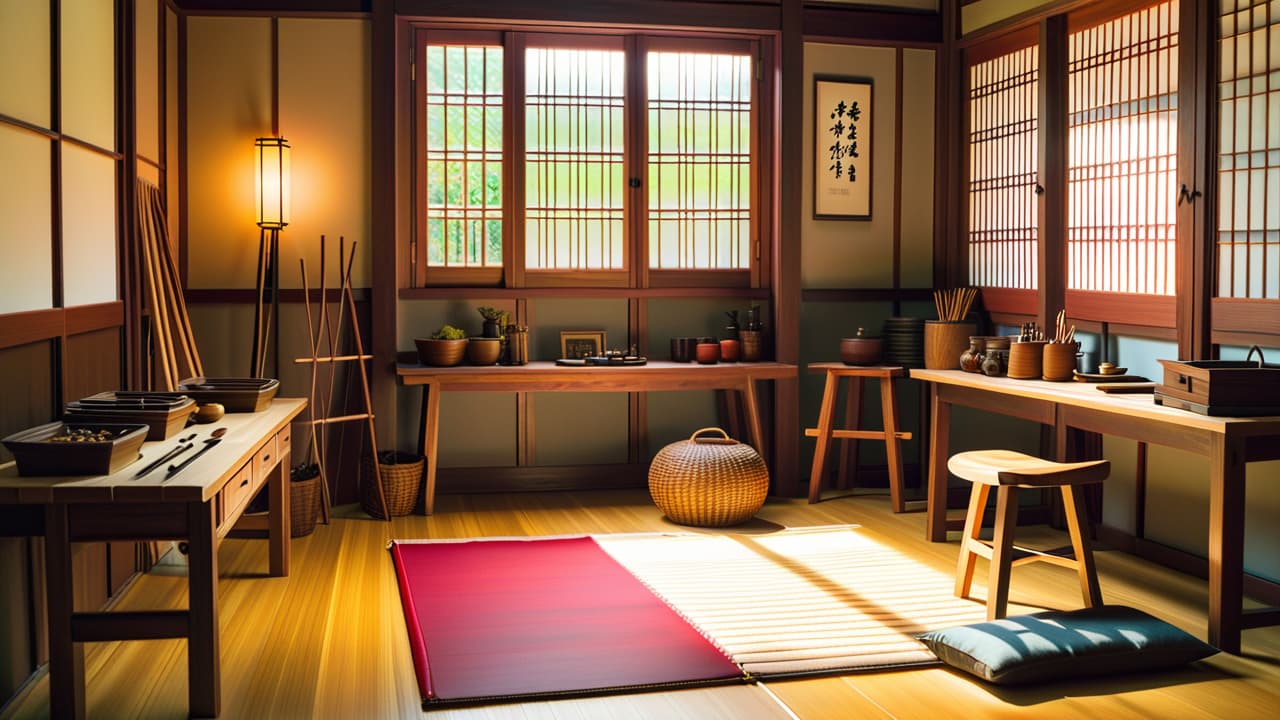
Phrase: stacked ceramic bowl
(904, 341)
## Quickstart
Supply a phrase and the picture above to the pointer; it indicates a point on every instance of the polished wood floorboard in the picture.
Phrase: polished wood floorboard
(329, 641)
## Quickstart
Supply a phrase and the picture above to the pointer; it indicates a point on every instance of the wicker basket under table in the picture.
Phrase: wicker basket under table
(708, 481)
(400, 482)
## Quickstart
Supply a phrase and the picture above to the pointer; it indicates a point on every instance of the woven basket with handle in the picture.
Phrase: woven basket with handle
(400, 482)
(708, 481)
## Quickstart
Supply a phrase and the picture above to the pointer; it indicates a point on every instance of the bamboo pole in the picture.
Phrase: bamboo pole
(311, 342)
(364, 380)
(153, 295)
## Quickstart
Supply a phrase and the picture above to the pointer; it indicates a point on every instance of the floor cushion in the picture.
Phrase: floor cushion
(1058, 645)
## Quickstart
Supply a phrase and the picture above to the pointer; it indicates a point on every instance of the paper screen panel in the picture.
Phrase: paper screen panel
(1248, 238)
(1002, 170)
(1122, 153)
(699, 159)
(574, 182)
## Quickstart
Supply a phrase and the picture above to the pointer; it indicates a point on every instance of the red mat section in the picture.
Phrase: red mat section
(508, 619)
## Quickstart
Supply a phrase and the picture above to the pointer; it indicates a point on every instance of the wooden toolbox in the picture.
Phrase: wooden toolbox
(1221, 387)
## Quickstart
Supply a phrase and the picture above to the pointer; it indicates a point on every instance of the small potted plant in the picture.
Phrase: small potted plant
(444, 348)
(494, 321)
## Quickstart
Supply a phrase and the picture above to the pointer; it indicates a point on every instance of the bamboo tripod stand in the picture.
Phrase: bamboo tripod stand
(319, 406)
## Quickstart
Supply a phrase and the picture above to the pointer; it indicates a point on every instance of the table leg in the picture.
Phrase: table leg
(204, 674)
(1226, 542)
(278, 522)
(730, 402)
(66, 657)
(852, 421)
(825, 420)
(430, 440)
(939, 439)
(893, 446)
(751, 408)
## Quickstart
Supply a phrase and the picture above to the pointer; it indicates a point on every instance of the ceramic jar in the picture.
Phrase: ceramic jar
(971, 359)
(730, 350)
(707, 353)
(995, 363)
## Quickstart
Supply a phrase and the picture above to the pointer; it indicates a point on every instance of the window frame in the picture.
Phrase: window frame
(635, 273)
(1088, 308)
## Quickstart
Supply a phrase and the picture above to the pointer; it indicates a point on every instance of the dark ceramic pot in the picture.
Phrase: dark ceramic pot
(860, 351)
(682, 349)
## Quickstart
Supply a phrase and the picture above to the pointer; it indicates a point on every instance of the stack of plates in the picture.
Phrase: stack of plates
(904, 341)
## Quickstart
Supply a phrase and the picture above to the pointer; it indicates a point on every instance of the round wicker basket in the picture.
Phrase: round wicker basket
(708, 481)
(400, 482)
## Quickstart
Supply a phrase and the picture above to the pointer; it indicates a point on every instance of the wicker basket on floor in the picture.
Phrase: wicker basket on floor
(401, 476)
(304, 505)
(708, 481)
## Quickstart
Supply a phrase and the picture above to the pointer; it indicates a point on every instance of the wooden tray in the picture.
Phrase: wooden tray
(233, 394)
(36, 455)
(1112, 378)
(165, 416)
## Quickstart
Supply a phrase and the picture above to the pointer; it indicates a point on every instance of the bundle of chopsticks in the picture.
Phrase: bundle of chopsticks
(953, 305)
(1062, 333)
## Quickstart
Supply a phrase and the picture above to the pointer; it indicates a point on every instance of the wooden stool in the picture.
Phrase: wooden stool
(826, 430)
(1008, 471)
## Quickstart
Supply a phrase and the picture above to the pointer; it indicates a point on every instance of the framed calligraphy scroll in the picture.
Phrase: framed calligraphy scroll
(842, 148)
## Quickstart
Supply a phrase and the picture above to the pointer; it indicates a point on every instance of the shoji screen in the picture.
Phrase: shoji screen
(1002, 170)
(1122, 145)
(1248, 238)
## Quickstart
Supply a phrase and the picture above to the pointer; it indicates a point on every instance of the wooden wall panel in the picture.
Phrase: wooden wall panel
(15, 615)
(26, 399)
(26, 392)
(92, 363)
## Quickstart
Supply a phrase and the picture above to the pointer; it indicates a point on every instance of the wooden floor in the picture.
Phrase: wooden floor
(329, 641)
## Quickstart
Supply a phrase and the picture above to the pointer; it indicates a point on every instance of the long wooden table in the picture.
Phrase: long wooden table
(1228, 443)
(545, 376)
(199, 504)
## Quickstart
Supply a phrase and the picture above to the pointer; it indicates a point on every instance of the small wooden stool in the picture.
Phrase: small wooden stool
(826, 430)
(1008, 471)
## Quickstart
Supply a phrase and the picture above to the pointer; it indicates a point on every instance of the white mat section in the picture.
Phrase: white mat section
(798, 601)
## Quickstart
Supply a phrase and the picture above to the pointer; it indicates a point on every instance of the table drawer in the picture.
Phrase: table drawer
(235, 494)
(266, 457)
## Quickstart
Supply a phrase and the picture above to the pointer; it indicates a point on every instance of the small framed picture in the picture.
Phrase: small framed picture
(581, 343)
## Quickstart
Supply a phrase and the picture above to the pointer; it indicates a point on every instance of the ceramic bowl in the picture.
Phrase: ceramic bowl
(484, 351)
(440, 353)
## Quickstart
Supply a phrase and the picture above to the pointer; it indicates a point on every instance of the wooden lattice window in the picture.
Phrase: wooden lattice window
(699, 117)
(1122, 153)
(460, 185)
(575, 181)
(1248, 239)
(1002, 239)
